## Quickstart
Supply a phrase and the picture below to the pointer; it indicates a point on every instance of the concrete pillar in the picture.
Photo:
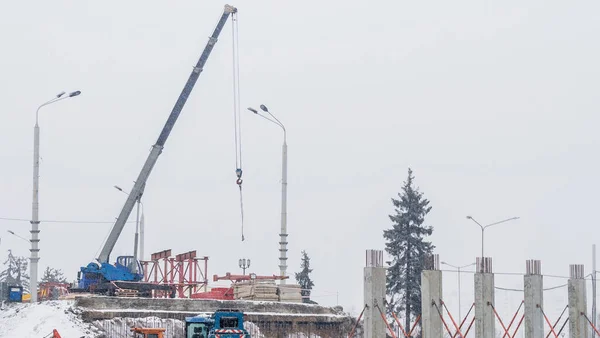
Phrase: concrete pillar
(431, 293)
(578, 325)
(375, 287)
(485, 319)
(534, 295)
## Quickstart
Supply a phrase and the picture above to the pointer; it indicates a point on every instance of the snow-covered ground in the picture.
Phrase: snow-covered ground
(24, 320)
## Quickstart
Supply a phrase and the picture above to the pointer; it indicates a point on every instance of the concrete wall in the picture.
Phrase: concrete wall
(274, 319)
(197, 305)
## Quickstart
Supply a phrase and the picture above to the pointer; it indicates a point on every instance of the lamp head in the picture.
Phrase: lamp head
(60, 94)
(75, 93)
(264, 108)
(253, 110)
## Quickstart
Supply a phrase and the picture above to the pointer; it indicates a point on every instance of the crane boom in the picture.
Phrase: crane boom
(140, 183)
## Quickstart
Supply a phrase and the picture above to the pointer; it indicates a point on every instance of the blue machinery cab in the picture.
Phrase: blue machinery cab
(198, 327)
(223, 323)
(93, 274)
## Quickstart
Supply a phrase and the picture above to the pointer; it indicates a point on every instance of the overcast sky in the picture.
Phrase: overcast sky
(493, 105)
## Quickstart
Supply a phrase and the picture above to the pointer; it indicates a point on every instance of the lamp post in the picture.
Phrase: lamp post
(137, 228)
(283, 234)
(458, 271)
(16, 235)
(483, 227)
(35, 221)
(244, 264)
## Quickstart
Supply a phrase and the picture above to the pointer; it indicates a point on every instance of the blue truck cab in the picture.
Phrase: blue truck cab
(222, 324)
(198, 326)
(228, 324)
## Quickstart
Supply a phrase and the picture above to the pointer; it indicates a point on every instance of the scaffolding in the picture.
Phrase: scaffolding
(186, 272)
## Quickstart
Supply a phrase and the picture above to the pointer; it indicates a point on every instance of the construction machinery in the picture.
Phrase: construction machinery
(223, 323)
(127, 273)
(52, 290)
(142, 332)
(54, 334)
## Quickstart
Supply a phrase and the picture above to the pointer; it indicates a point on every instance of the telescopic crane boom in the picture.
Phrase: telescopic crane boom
(140, 183)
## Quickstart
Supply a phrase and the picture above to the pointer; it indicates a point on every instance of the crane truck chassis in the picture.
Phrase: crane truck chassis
(127, 273)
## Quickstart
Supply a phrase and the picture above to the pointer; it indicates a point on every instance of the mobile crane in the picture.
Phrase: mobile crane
(127, 273)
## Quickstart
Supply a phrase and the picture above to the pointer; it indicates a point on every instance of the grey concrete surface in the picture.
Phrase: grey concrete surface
(484, 299)
(534, 300)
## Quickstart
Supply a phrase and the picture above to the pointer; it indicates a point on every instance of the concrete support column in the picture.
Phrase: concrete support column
(431, 295)
(375, 287)
(484, 297)
(578, 325)
(534, 295)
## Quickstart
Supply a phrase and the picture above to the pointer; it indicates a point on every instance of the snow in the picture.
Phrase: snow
(25, 320)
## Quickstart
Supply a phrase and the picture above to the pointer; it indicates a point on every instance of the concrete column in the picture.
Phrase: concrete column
(375, 287)
(431, 293)
(534, 293)
(578, 325)
(484, 297)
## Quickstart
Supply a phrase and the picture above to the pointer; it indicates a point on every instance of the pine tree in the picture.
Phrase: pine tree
(15, 271)
(303, 278)
(53, 275)
(406, 245)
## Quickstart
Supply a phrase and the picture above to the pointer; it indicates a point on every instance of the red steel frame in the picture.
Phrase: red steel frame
(185, 271)
(552, 327)
(506, 333)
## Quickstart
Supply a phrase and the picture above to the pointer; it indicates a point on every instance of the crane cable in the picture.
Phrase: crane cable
(236, 114)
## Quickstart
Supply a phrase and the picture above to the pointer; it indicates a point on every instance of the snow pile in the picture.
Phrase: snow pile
(24, 320)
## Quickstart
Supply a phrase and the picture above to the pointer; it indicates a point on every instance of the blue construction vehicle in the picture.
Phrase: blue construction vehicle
(127, 273)
(222, 324)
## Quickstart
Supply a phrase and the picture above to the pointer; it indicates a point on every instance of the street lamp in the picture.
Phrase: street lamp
(137, 230)
(458, 271)
(19, 236)
(244, 264)
(483, 227)
(35, 221)
(283, 235)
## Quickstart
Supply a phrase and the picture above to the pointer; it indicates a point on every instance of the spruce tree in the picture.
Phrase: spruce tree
(406, 244)
(15, 272)
(53, 275)
(303, 278)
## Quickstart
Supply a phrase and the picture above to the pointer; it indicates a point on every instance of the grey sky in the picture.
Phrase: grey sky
(492, 105)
